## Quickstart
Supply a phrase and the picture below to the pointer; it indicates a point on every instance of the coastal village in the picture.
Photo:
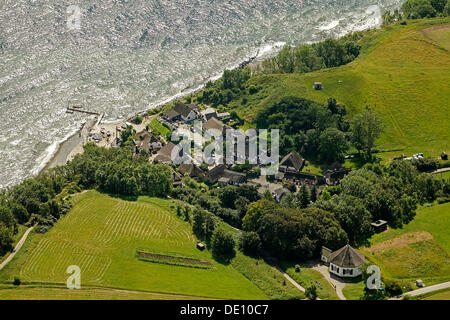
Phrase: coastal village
(151, 136)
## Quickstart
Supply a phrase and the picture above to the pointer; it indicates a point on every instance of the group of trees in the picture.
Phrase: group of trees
(229, 203)
(307, 58)
(376, 192)
(417, 9)
(42, 200)
(312, 129)
(320, 132)
(226, 89)
(291, 234)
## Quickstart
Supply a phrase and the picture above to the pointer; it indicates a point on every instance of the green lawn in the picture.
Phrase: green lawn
(354, 291)
(307, 276)
(10, 292)
(440, 295)
(403, 74)
(159, 129)
(418, 250)
(266, 277)
(100, 235)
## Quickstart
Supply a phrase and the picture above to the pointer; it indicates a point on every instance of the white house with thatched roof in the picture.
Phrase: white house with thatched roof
(345, 262)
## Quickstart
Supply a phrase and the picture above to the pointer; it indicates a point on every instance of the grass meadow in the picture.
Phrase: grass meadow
(101, 234)
(418, 250)
(403, 74)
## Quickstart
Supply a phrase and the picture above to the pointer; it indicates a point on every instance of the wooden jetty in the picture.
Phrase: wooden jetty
(77, 108)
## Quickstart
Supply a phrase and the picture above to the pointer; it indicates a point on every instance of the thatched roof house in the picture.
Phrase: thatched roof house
(345, 262)
(292, 162)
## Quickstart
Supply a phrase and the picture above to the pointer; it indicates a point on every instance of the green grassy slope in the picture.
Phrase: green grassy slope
(418, 250)
(403, 73)
(101, 234)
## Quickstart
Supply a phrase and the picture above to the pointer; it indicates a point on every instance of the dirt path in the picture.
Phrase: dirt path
(16, 249)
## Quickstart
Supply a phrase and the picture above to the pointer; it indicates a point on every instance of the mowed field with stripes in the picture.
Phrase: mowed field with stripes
(101, 234)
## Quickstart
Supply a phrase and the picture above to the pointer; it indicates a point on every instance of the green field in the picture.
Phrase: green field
(159, 129)
(101, 234)
(403, 74)
(418, 250)
(62, 293)
(307, 277)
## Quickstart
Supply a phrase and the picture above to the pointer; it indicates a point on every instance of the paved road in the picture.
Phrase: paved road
(440, 170)
(420, 291)
(17, 248)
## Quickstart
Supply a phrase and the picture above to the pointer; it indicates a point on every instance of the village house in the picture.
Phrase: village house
(216, 125)
(292, 162)
(223, 176)
(379, 226)
(336, 173)
(279, 194)
(181, 112)
(345, 262)
(165, 154)
(190, 170)
(146, 141)
(208, 114)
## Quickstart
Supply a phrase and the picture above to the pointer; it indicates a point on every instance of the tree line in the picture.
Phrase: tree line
(43, 199)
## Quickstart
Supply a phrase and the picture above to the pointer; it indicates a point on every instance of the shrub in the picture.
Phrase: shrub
(17, 281)
(250, 243)
(297, 268)
(138, 119)
(311, 292)
(222, 244)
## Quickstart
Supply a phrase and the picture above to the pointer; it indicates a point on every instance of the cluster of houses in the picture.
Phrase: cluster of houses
(290, 171)
(290, 167)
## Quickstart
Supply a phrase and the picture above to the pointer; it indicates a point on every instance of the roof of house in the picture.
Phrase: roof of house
(378, 223)
(214, 124)
(191, 170)
(209, 111)
(165, 154)
(281, 191)
(184, 109)
(215, 173)
(170, 114)
(347, 257)
(326, 252)
(293, 160)
(335, 166)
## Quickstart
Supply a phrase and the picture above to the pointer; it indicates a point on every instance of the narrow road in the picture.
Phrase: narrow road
(17, 248)
(440, 170)
(420, 291)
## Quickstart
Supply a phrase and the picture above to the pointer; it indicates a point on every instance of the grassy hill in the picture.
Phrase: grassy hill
(101, 235)
(420, 249)
(403, 73)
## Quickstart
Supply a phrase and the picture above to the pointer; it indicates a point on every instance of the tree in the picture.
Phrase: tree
(303, 197)
(416, 9)
(314, 194)
(311, 292)
(255, 212)
(332, 144)
(6, 240)
(366, 128)
(250, 243)
(222, 244)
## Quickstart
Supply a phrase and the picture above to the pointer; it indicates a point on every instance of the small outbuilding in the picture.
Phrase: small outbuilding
(318, 86)
(379, 226)
(444, 156)
(201, 246)
(419, 283)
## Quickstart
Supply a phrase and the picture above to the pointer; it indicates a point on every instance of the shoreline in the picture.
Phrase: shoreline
(68, 148)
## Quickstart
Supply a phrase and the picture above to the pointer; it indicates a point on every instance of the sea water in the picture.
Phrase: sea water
(129, 55)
